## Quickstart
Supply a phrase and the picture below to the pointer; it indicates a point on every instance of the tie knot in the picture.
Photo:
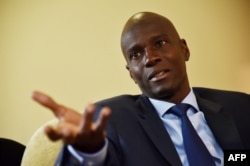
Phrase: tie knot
(180, 109)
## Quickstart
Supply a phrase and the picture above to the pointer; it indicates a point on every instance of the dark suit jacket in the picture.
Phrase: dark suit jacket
(137, 136)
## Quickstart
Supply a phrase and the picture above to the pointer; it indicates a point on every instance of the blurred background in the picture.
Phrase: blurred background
(71, 51)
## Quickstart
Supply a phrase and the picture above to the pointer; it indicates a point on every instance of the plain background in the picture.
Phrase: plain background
(71, 50)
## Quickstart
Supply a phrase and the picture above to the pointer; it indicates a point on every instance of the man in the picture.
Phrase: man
(141, 130)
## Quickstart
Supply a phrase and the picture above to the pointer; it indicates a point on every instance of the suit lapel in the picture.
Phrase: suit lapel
(155, 129)
(221, 123)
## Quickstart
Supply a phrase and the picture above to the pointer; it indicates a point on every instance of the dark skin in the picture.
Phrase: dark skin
(74, 128)
(155, 57)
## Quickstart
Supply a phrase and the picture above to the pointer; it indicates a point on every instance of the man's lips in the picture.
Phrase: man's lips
(158, 75)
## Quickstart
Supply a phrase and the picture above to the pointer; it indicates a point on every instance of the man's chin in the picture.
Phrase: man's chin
(162, 94)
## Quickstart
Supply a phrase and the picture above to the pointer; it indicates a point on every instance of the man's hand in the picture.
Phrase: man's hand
(74, 128)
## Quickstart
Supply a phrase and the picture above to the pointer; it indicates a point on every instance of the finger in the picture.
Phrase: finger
(70, 135)
(44, 100)
(66, 132)
(103, 118)
(53, 134)
(49, 103)
(87, 119)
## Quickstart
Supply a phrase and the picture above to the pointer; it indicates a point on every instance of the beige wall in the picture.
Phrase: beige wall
(70, 49)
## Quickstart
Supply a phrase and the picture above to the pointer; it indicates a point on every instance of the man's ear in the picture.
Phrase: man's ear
(131, 76)
(185, 49)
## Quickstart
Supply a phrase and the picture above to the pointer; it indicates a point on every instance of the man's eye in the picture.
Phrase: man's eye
(135, 55)
(160, 43)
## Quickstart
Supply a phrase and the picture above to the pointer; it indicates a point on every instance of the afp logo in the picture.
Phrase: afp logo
(237, 158)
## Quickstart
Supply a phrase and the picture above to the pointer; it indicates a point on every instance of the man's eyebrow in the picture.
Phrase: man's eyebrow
(153, 38)
(134, 46)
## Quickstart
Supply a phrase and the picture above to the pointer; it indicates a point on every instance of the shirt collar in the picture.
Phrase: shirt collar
(162, 106)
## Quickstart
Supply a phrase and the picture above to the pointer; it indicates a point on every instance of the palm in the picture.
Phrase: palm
(74, 128)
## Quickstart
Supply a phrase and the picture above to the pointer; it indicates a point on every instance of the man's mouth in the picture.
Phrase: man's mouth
(159, 75)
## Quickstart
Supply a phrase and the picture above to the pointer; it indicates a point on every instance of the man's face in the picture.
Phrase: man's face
(156, 59)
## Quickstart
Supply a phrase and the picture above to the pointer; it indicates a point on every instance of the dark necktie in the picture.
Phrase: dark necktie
(196, 151)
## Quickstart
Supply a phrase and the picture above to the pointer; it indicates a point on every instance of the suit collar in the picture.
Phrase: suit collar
(221, 123)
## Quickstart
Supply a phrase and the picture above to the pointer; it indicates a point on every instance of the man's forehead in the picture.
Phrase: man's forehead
(146, 32)
(131, 40)
(142, 24)
(147, 23)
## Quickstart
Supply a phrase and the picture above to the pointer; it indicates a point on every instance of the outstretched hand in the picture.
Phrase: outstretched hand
(74, 128)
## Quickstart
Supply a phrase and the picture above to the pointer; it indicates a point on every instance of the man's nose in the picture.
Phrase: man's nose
(152, 57)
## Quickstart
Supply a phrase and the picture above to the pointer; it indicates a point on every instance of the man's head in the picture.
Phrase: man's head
(156, 56)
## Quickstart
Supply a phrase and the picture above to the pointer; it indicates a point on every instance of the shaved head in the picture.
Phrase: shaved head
(144, 20)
